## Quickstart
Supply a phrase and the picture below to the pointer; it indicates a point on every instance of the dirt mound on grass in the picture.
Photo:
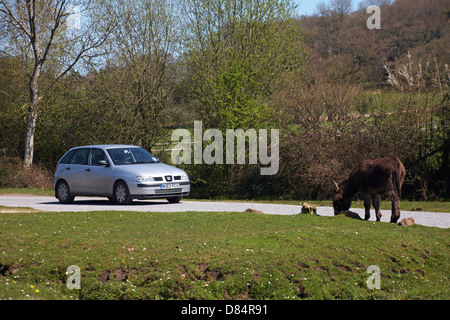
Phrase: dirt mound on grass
(119, 274)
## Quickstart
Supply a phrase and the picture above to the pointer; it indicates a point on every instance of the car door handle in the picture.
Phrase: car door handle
(88, 170)
(68, 168)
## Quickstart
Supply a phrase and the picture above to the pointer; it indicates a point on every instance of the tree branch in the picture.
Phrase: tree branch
(7, 11)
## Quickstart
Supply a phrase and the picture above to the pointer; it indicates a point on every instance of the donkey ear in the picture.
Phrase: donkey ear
(335, 184)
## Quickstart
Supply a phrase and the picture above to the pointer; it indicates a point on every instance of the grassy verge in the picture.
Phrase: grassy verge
(143, 255)
(27, 191)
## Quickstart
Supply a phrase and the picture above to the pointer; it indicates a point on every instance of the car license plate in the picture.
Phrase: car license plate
(169, 186)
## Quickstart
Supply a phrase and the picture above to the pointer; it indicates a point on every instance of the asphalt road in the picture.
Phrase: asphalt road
(433, 219)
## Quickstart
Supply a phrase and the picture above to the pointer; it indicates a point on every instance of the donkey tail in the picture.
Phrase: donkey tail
(398, 177)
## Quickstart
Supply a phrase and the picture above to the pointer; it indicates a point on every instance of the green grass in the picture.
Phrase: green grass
(218, 256)
(27, 191)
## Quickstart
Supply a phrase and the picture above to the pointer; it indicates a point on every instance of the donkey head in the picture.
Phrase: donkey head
(340, 202)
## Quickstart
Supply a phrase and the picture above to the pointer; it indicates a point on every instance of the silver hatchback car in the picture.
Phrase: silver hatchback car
(119, 172)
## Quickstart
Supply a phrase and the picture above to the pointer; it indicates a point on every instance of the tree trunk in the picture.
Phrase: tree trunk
(29, 138)
(32, 115)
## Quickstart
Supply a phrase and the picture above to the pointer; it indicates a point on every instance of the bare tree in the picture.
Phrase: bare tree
(341, 7)
(333, 16)
(363, 5)
(142, 52)
(423, 83)
(44, 34)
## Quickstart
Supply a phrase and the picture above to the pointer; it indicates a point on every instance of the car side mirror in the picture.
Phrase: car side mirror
(103, 163)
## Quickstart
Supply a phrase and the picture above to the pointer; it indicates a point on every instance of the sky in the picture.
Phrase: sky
(308, 7)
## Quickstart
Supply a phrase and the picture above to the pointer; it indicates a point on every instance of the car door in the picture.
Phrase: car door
(98, 176)
(76, 171)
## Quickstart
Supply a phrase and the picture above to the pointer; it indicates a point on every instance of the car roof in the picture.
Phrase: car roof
(107, 146)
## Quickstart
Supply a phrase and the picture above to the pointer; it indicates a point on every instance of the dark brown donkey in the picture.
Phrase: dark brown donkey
(372, 178)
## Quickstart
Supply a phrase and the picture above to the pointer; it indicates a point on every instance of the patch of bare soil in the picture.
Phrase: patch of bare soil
(208, 274)
(119, 274)
(17, 210)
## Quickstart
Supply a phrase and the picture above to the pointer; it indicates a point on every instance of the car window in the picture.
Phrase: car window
(67, 157)
(80, 156)
(95, 156)
(130, 156)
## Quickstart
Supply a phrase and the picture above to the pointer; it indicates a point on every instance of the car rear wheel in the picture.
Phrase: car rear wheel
(174, 199)
(121, 193)
(63, 193)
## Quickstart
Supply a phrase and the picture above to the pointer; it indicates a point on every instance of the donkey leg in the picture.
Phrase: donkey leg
(366, 197)
(376, 205)
(395, 207)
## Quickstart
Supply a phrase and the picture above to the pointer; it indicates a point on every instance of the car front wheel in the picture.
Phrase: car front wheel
(121, 193)
(63, 193)
(174, 199)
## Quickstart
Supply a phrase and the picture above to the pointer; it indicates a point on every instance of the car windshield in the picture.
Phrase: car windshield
(122, 156)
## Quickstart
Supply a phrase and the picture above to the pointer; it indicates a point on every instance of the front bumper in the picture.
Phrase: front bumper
(154, 190)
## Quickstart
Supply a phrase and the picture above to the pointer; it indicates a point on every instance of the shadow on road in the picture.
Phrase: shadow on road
(106, 203)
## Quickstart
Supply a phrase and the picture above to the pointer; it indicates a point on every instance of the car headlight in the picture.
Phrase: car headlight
(144, 179)
(184, 177)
